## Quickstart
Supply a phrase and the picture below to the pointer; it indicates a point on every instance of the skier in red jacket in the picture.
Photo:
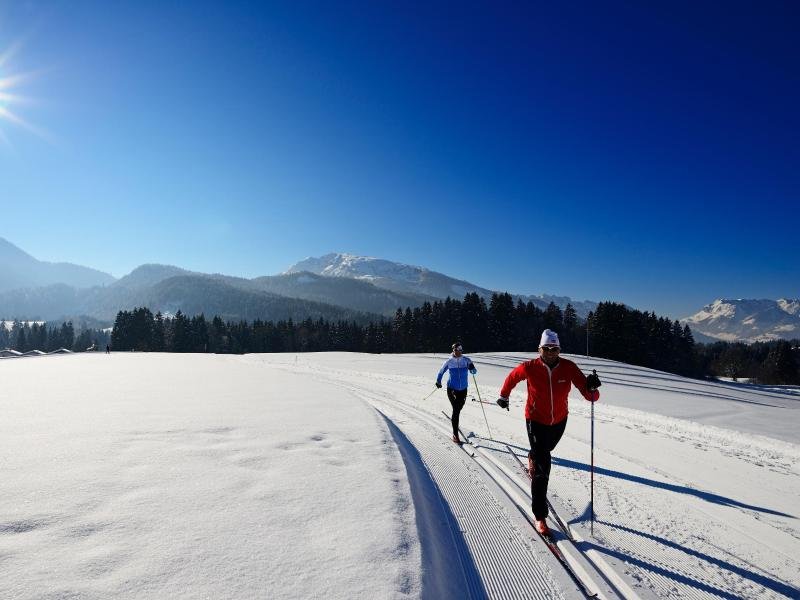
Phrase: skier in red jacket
(549, 379)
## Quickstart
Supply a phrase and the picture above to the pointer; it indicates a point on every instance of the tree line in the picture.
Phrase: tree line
(614, 331)
(776, 362)
(26, 336)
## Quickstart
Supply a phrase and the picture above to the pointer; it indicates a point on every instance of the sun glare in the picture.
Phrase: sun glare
(9, 99)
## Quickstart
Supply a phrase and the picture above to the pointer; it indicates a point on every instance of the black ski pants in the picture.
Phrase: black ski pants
(543, 439)
(457, 399)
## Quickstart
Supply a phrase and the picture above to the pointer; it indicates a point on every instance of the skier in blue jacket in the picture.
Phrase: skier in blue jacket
(457, 365)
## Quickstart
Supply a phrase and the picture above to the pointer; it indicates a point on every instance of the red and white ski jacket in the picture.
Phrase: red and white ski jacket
(547, 388)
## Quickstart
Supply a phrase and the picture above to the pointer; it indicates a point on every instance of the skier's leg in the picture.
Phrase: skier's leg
(543, 438)
(554, 434)
(540, 456)
(457, 399)
(451, 395)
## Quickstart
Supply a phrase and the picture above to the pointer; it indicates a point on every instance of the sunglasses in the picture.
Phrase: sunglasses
(551, 348)
(457, 349)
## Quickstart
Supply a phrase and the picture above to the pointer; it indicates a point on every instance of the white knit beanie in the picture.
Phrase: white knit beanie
(549, 338)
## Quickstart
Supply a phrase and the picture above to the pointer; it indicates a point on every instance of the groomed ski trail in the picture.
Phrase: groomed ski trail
(639, 503)
(504, 562)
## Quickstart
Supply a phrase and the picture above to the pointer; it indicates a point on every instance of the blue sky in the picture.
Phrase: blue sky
(604, 151)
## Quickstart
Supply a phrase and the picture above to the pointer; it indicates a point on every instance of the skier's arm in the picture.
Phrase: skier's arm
(516, 375)
(513, 378)
(441, 372)
(585, 386)
(471, 367)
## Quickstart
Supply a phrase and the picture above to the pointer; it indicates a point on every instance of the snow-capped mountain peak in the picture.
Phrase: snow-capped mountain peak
(748, 320)
(790, 306)
(359, 267)
(411, 279)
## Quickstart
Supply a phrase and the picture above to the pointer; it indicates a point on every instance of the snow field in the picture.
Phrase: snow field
(684, 508)
(327, 475)
(155, 476)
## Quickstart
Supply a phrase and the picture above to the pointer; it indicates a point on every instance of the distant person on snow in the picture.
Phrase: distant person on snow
(108, 349)
(549, 379)
(457, 365)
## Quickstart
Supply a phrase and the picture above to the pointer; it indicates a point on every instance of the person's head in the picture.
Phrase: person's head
(549, 347)
(457, 349)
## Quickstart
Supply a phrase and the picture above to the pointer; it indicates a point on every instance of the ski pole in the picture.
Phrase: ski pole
(482, 401)
(475, 381)
(431, 394)
(591, 496)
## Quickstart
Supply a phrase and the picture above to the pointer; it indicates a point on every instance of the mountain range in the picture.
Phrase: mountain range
(18, 269)
(747, 320)
(335, 286)
(420, 281)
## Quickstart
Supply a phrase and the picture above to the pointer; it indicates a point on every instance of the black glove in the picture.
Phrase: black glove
(502, 403)
(438, 384)
(593, 381)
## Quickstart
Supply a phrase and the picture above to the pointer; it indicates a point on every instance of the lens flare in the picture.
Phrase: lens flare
(10, 100)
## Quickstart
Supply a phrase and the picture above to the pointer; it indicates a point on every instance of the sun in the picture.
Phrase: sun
(10, 99)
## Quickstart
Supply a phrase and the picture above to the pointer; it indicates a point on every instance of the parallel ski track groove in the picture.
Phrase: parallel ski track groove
(657, 577)
(601, 567)
(496, 549)
(604, 571)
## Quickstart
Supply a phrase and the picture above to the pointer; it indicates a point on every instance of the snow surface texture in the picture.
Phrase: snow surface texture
(328, 476)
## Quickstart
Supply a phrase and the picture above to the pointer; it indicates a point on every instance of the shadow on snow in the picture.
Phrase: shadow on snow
(774, 585)
(440, 536)
(678, 489)
(767, 582)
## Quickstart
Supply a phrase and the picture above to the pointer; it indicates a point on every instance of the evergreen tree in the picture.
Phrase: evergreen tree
(121, 334)
(141, 325)
(67, 335)
(19, 341)
(474, 319)
(218, 336)
(571, 331)
(780, 366)
(83, 341)
(732, 362)
(180, 333)
(5, 340)
(159, 333)
(501, 323)
(553, 317)
(425, 338)
(529, 319)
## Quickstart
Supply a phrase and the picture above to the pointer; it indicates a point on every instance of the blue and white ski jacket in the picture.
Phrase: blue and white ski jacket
(458, 368)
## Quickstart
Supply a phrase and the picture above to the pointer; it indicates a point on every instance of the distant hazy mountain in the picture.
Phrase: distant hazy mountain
(20, 270)
(191, 294)
(748, 320)
(355, 293)
(408, 279)
(213, 296)
(150, 274)
(336, 286)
